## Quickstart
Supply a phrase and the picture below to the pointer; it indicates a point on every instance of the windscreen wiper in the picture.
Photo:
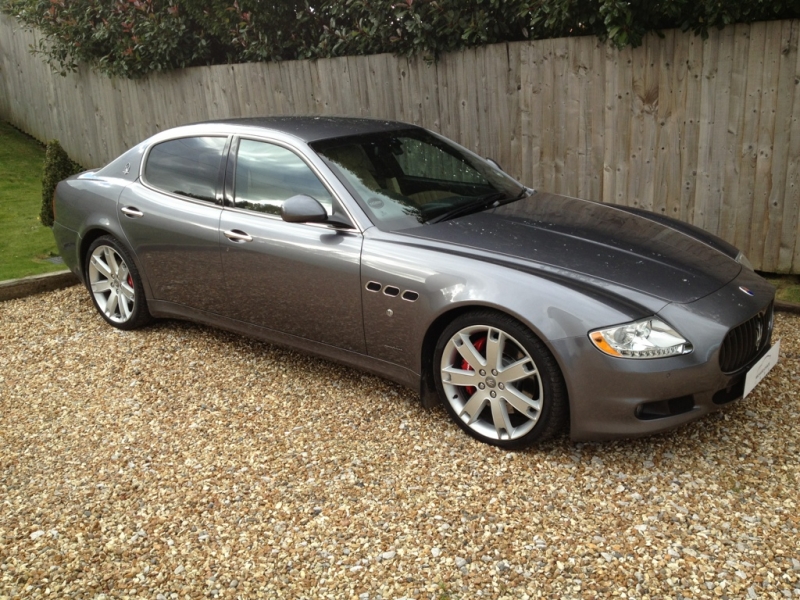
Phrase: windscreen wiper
(492, 200)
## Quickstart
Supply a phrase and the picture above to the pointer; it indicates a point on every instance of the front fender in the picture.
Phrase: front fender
(443, 284)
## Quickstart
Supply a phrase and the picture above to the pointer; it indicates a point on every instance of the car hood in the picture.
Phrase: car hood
(593, 240)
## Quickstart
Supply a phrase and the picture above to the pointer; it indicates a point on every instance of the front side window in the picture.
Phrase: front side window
(186, 166)
(267, 175)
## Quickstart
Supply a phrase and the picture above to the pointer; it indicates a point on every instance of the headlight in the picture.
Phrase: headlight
(742, 260)
(648, 338)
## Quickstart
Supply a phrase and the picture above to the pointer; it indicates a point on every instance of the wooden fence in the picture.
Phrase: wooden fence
(705, 131)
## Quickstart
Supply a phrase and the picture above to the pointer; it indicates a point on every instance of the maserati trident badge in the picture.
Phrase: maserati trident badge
(759, 334)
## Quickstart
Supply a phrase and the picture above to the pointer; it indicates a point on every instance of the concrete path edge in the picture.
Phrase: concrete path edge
(36, 284)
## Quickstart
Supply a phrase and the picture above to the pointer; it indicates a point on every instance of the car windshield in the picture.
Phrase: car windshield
(407, 177)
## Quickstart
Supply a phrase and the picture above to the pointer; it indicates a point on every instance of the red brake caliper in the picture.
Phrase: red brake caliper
(130, 280)
(479, 344)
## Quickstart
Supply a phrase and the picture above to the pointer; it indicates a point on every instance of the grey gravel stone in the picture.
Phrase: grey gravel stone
(301, 482)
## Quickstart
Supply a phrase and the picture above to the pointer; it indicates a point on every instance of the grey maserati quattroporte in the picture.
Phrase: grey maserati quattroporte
(387, 247)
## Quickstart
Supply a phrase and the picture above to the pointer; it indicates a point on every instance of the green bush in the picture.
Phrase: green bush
(131, 38)
(57, 166)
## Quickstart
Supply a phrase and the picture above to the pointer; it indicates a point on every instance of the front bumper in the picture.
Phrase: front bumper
(614, 397)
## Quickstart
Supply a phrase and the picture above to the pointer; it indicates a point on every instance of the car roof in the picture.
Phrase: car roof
(312, 129)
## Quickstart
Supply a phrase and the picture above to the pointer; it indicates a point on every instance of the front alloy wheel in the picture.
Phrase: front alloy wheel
(499, 382)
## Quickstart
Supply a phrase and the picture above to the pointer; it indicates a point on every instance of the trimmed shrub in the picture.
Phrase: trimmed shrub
(57, 166)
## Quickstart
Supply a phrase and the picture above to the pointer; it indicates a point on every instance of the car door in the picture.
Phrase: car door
(171, 220)
(302, 279)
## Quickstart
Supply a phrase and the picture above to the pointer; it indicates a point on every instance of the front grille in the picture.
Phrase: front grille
(744, 342)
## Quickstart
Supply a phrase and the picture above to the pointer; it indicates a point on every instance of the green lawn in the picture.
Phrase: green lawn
(788, 287)
(24, 242)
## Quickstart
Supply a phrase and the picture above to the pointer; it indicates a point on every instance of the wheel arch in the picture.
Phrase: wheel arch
(554, 423)
(87, 240)
(93, 233)
(428, 393)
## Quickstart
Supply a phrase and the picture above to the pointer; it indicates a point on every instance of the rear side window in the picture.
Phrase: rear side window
(187, 166)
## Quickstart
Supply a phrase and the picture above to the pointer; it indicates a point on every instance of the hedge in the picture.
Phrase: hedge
(57, 166)
(131, 38)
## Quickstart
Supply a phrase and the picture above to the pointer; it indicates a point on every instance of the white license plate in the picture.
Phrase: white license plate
(761, 368)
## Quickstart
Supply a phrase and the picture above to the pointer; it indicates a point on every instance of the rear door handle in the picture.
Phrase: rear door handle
(132, 212)
(237, 236)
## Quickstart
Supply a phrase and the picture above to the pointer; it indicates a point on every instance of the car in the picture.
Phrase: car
(389, 248)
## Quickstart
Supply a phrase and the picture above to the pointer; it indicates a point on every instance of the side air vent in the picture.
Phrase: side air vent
(374, 286)
(391, 290)
(410, 296)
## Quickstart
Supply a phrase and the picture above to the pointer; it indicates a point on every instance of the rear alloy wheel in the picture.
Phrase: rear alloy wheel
(115, 285)
(499, 381)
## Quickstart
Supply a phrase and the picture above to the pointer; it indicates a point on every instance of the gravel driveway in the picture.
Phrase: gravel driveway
(183, 462)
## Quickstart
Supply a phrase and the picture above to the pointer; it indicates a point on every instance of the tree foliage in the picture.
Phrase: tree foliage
(131, 38)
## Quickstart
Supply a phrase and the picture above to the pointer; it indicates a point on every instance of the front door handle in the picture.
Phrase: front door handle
(237, 236)
(132, 212)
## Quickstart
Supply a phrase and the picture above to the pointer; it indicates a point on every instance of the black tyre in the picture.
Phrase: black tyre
(498, 381)
(115, 285)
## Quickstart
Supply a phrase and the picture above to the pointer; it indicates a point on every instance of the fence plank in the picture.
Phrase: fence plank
(537, 124)
(705, 128)
(782, 207)
(634, 158)
(610, 137)
(766, 132)
(624, 124)
(569, 121)
(791, 226)
(734, 134)
(748, 151)
(690, 106)
(547, 156)
(714, 165)
(597, 118)
(510, 130)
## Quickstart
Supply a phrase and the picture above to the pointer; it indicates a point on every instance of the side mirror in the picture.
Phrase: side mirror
(305, 209)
